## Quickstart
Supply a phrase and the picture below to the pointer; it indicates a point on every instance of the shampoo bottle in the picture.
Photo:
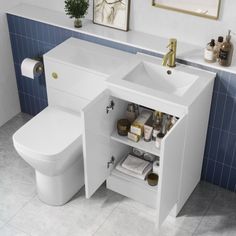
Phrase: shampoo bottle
(226, 51)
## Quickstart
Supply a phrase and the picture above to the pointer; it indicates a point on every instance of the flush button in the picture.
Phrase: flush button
(54, 75)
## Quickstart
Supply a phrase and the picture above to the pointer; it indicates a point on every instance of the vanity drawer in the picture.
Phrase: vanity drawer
(133, 188)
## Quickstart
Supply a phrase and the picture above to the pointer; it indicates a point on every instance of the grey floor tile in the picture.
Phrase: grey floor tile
(77, 217)
(15, 174)
(1, 224)
(10, 231)
(10, 203)
(167, 229)
(129, 221)
(220, 219)
(15, 123)
(139, 206)
(18, 180)
(196, 207)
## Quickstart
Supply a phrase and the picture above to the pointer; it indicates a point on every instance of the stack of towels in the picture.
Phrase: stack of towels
(134, 167)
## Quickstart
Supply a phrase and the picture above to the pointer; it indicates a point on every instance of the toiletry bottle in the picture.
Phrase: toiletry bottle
(156, 125)
(162, 132)
(209, 53)
(159, 138)
(217, 47)
(131, 113)
(226, 51)
(173, 120)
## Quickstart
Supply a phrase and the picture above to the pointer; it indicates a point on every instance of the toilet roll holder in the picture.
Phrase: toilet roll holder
(40, 68)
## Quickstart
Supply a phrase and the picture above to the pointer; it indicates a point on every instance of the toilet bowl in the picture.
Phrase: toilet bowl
(51, 143)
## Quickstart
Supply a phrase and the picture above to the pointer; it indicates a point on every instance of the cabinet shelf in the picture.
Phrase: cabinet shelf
(145, 146)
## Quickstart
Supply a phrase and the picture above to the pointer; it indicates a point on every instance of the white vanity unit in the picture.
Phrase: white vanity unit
(116, 78)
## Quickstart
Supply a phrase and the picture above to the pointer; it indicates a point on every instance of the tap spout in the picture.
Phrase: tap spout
(170, 57)
(167, 57)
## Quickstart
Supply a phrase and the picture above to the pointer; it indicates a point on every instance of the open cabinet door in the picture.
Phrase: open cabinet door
(172, 149)
(99, 119)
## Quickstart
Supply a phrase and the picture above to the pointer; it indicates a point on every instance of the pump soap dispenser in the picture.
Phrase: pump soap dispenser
(226, 51)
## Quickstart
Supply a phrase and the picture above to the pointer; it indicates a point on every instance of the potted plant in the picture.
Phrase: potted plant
(76, 9)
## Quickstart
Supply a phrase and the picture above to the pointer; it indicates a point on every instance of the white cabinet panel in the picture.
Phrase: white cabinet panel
(172, 149)
(98, 146)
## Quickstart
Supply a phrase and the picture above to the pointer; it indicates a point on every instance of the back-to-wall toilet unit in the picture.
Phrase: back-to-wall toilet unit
(51, 142)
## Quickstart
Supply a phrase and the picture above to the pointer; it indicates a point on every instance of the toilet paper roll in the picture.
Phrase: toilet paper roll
(31, 68)
(155, 168)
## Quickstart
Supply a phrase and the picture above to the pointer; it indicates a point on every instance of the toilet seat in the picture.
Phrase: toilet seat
(49, 134)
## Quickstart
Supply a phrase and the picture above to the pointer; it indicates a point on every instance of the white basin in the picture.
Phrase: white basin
(161, 78)
(144, 75)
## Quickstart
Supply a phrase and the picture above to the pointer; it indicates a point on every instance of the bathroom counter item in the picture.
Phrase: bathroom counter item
(152, 179)
(123, 126)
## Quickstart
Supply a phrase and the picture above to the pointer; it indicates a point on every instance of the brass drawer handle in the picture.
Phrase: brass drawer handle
(54, 75)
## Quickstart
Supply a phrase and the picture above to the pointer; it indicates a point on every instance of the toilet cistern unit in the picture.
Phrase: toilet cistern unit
(51, 142)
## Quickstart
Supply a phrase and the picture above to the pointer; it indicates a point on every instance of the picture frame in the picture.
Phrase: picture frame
(112, 13)
(207, 9)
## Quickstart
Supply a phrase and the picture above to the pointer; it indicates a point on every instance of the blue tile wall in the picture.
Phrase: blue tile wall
(31, 39)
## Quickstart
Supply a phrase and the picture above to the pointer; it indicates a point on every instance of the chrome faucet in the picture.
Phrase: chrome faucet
(170, 57)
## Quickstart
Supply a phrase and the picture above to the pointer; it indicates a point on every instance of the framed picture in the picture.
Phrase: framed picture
(112, 13)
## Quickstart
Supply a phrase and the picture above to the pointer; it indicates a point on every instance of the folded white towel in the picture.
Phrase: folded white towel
(135, 164)
(133, 174)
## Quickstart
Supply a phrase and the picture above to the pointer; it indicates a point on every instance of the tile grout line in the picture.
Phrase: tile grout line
(8, 221)
(105, 220)
(208, 208)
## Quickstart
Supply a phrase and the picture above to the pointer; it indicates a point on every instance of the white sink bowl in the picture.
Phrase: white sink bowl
(173, 89)
(161, 78)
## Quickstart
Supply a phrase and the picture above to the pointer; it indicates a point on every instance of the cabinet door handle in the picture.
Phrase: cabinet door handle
(111, 162)
(110, 107)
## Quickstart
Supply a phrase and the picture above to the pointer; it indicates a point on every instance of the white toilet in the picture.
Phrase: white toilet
(51, 142)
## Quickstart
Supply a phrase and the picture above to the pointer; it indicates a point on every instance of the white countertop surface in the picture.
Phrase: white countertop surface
(89, 56)
(185, 51)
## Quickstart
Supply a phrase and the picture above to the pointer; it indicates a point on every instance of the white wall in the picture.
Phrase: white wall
(9, 101)
(187, 28)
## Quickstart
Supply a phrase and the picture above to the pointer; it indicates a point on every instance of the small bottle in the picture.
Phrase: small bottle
(217, 47)
(209, 53)
(131, 113)
(156, 125)
(159, 138)
(156, 129)
(172, 122)
(226, 51)
(164, 126)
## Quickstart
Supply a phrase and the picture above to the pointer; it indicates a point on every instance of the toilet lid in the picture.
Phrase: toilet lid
(50, 132)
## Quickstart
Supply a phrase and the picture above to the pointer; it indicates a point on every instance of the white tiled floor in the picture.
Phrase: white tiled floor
(209, 211)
